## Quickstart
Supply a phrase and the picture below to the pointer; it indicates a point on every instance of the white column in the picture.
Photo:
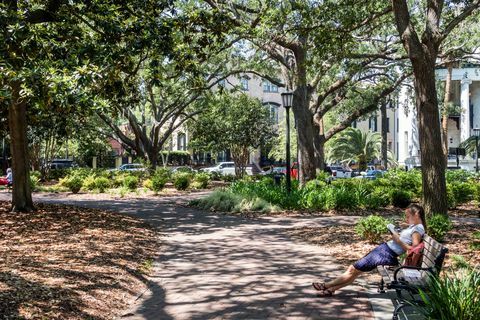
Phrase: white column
(94, 163)
(130, 159)
(465, 113)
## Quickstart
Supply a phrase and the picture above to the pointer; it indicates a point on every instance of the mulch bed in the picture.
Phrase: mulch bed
(62, 262)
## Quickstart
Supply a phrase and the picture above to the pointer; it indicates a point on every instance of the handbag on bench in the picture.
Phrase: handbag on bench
(414, 256)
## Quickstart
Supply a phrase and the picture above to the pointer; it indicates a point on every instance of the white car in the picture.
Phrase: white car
(131, 167)
(226, 169)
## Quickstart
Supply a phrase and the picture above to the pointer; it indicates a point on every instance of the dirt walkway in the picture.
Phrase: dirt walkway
(213, 266)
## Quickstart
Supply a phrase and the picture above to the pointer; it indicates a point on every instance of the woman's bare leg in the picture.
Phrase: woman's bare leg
(345, 279)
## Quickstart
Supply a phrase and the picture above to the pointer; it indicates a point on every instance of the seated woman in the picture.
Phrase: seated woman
(9, 177)
(384, 254)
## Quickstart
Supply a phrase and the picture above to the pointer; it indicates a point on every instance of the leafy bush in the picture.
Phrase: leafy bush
(266, 190)
(457, 175)
(403, 180)
(147, 183)
(379, 198)
(73, 183)
(102, 183)
(461, 191)
(34, 182)
(218, 201)
(130, 182)
(158, 182)
(400, 198)
(454, 296)
(181, 181)
(201, 180)
(438, 226)
(89, 183)
(371, 228)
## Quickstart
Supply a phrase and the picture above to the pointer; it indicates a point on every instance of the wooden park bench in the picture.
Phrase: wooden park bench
(411, 279)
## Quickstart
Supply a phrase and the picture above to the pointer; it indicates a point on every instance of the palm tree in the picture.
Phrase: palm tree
(354, 145)
(469, 145)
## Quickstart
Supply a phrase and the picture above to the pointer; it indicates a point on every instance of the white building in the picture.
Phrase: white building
(466, 95)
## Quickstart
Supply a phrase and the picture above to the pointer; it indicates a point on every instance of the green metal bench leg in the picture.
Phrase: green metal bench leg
(399, 307)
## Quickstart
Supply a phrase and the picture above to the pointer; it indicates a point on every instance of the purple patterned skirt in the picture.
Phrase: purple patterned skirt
(380, 256)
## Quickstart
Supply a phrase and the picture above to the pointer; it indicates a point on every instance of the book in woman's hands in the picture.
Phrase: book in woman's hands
(391, 227)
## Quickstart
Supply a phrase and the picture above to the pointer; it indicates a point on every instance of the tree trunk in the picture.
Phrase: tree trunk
(446, 103)
(383, 114)
(432, 157)
(305, 132)
(319, 146)
(423, 53)
(17, 121)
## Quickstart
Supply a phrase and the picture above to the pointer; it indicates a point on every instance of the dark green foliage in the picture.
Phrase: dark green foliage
(74, 183)
(158, 182)
(201, 180)
(438, 225)
(400, 198)
(454, 296)
(266, 190)
(181, 180)
(372, 228)
(460, 191)
(102, 183)
(218, 201)
(130, 182)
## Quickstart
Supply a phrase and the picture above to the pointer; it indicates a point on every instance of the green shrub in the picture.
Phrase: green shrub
(454, 296)
(147, 183)
(400, 198)
(201, 180)
(130, 182)
(158, 182)
(438, 225)
(451, 200)
(218, 201)
(457, 175)
(181, 181)
(462, 191)
(102, 183)
(371, 228)
(379, 198)
(34, 182)
(74, 184)
(89, 183)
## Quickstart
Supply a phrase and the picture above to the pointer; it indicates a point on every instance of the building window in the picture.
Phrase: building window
(388, 124)
(181, 142)
(244, 83)
(372, 123)
(269, 87)
(397, 124)
(390, 145)
(273, 109)
(354, 124)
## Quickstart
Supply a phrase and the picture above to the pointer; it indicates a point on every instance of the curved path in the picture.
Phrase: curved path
(213, 266)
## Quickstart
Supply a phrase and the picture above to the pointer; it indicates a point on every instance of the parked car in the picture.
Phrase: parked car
(282, 170)
(339, 172)
(371, 174)
(226, 169)
(131, 167)
(182, 169)
(63, 164)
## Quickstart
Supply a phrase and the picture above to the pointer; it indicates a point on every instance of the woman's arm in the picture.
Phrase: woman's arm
(416, 239)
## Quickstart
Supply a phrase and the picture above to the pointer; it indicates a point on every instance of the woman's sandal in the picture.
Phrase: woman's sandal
(325, 293)
(319, 286)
